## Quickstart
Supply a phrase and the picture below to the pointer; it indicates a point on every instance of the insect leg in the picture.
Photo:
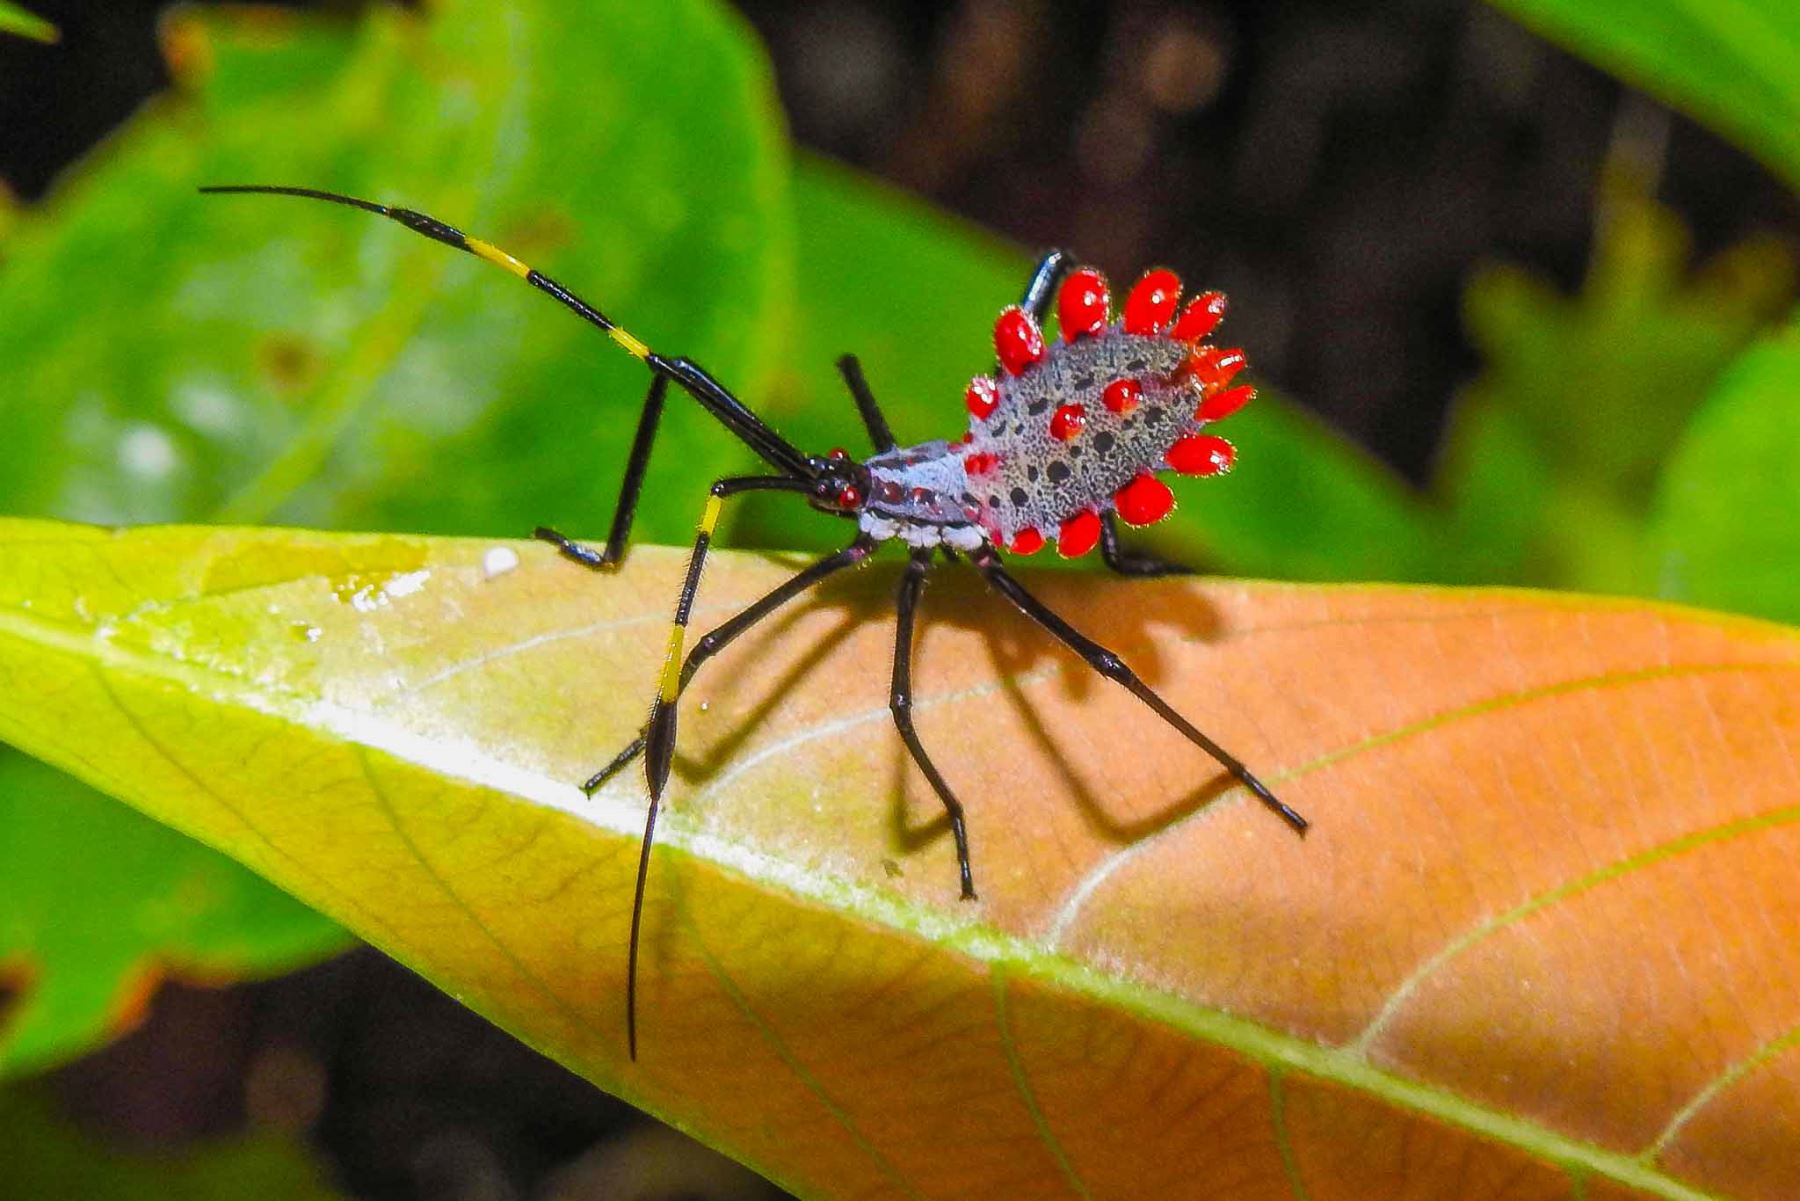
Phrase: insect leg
(1131, 562)
(1108, 664)
(900, 704)
(716, 640)
(1042, 285)
(629, 491)
(872, 417)
(659, 736)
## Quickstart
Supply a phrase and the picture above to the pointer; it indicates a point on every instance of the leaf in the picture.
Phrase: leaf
(1727, 518)
(166, 355)
(46, 1157)
(170, 354)
(1734, 66)
(101, 903)
(14, 19)
(1540, 939)
(914, 293)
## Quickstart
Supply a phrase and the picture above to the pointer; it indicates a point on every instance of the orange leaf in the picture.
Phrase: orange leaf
(1540, 943)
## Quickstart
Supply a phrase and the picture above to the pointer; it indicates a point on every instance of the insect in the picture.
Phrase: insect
(1065, 440)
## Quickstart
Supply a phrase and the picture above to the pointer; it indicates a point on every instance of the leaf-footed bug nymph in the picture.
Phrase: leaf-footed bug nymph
(1065, 440)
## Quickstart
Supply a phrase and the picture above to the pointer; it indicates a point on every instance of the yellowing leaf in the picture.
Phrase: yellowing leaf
(1540, 943)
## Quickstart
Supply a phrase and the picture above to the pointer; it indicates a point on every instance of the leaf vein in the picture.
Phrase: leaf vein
(1015, 1067)
(1070, 910)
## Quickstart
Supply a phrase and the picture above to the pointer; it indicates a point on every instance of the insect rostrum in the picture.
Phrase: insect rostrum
(1065, 440)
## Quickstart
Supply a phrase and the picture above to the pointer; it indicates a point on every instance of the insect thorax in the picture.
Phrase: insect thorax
(920, 495)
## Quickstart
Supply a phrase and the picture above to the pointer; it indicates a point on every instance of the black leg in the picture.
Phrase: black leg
(629, 491)
(1041, 288)
(572, 550)
(659, 737)
(900, 703)
(866, 404)
(1112, 667)
(1129, 562)
(718, 639)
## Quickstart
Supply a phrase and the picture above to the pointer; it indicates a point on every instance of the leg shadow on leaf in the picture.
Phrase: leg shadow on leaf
(1021, 654)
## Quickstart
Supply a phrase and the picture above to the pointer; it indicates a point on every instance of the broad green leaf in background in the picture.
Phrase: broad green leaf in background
(1420, 997)
(914, 293)
(14, 19)
(167, 355)
(1727, 519)
(254, 357)
(46, 1157)
(1733, 64)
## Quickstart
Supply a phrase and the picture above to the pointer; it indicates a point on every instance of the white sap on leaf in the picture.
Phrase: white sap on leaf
(407, 584)
(498, 560)
(368, 597)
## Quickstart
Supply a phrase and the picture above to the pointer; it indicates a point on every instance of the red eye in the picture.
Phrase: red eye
(849, 497)
(837, 452)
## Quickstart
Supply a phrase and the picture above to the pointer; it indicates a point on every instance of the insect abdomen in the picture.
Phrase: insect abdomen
(1066, 432)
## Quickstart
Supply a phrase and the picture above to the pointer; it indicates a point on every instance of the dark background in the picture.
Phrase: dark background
(1340, 169)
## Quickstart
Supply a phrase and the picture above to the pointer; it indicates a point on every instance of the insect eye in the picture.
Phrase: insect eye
(849, 496)
(838, 453)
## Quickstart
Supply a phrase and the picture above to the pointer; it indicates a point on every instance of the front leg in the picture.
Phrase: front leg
(629, 491)
(659, 736)
(717, 639)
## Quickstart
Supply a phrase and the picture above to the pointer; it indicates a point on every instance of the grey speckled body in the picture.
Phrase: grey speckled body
(1037, 480)
(926, 495)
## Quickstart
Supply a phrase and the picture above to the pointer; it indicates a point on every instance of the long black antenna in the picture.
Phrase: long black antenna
(712, 395)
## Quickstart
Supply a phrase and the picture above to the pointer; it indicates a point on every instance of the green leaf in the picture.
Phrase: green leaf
(1733, 65)
(170, 355)
(1423, 991)
(174, 354)
(1726, 527)
(914, 294)
(48, 1157)
(14, 19)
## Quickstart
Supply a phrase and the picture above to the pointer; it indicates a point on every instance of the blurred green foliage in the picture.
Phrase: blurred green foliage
(1553, 455)
(1726, 520)
(14, 19)
(64, 1162)
(165, 356)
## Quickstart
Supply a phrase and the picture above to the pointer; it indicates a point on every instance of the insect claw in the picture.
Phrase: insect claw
(1286, 812)
(632, 750)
